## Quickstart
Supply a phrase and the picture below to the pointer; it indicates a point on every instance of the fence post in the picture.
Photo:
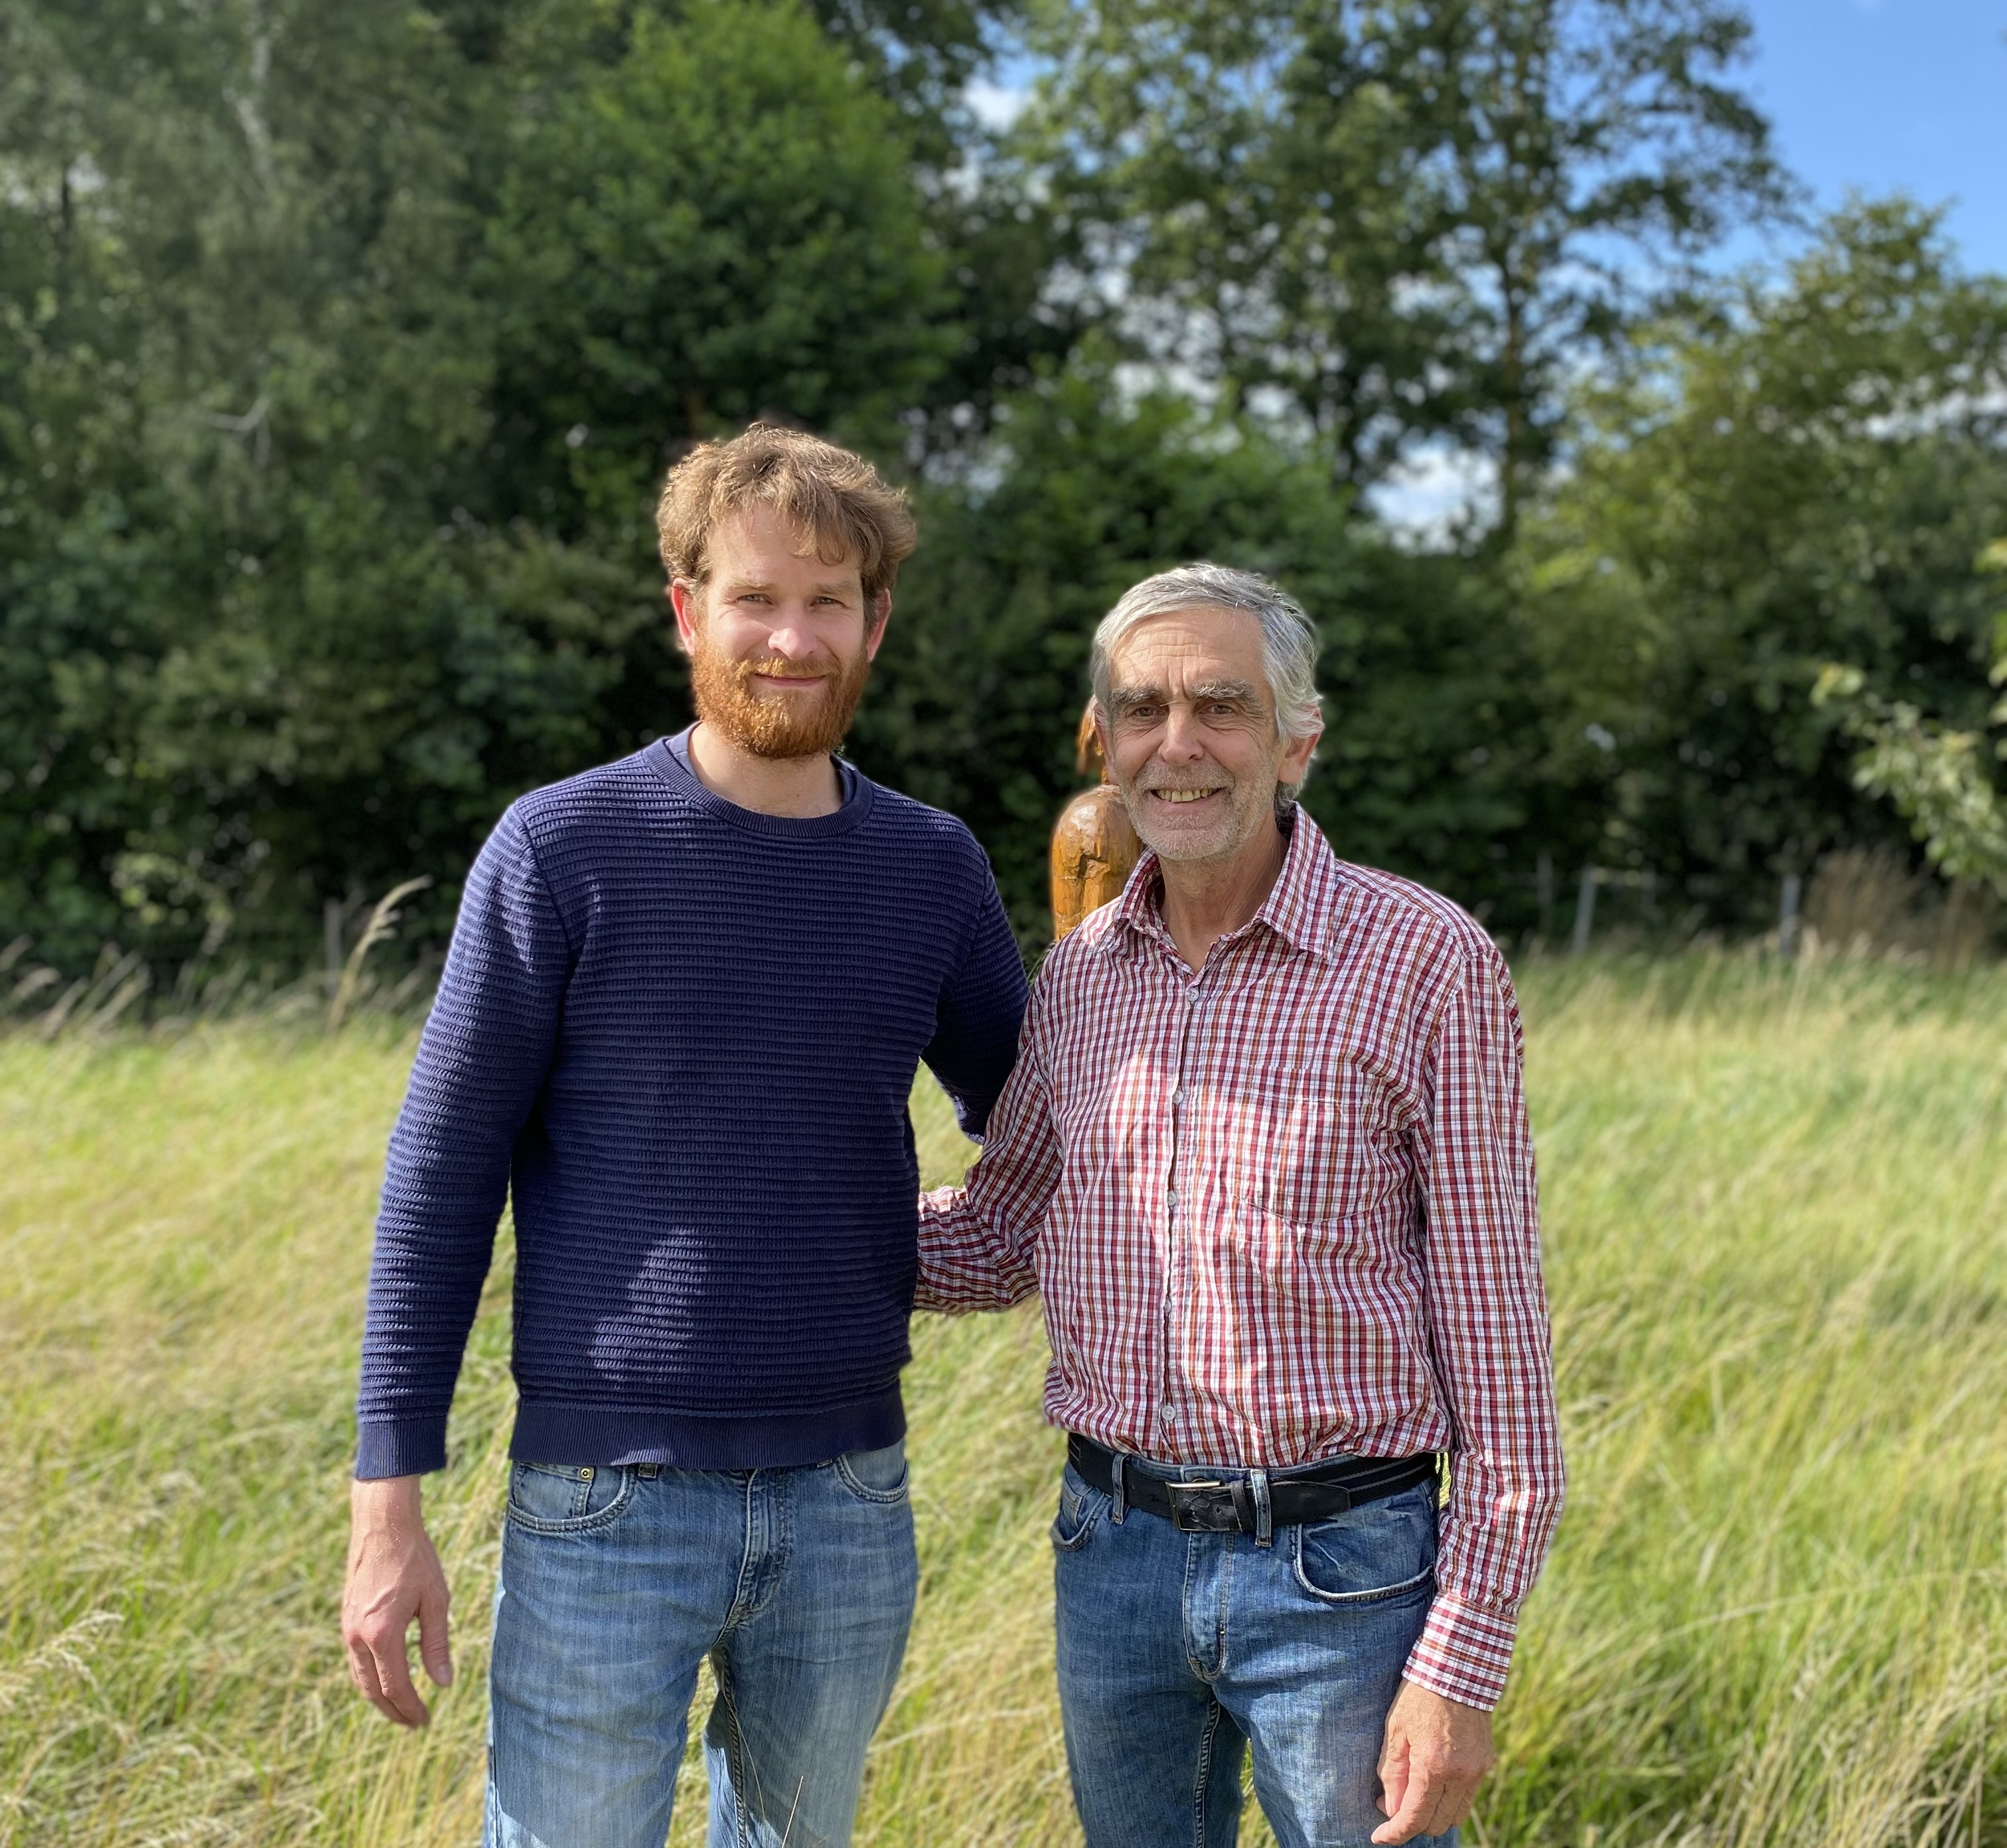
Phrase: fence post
(1585, 908)
(1543, 891)
(1787, 918)
(330, 940)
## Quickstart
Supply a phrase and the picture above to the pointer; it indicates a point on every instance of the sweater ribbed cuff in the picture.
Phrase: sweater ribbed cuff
(401, 1447)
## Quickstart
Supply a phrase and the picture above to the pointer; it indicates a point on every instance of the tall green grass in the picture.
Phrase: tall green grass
(1776, 1229)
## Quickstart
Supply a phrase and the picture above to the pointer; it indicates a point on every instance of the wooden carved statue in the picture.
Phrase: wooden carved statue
(1094, 849)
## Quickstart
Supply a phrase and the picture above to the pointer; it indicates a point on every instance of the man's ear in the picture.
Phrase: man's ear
(881, 613)
(1294, 764)
(687, 599)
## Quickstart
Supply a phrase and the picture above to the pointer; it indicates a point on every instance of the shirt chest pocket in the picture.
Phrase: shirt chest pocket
(1309, 1149)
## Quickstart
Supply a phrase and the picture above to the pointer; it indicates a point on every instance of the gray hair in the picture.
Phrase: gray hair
(1288, 639)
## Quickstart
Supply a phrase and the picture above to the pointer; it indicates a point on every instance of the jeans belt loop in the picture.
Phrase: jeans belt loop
(1264, 1518)
(1118, 1487)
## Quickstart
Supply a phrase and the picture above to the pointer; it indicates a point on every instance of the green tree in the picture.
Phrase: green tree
(1937, 776)
(719, 224)
(1389, 220)
(162, 244)
(300, 577)
(1805, 475)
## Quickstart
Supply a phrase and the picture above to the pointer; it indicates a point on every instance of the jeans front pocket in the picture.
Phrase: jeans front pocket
(875, 1475)
(1080, 1510)
(568, 1497)
(1374, 1554)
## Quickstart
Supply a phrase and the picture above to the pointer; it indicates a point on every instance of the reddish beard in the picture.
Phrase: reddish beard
(777, 724)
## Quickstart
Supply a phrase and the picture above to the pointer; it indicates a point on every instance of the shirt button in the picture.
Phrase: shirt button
(1167, 1416)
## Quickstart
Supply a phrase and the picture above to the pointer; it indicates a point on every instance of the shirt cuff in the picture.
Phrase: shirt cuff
(399, 1447)
(1463, 1652)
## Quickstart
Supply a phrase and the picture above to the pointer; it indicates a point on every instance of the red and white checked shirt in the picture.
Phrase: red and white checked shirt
(1282, 1210)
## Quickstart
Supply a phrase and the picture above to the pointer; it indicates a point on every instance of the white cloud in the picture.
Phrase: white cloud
(1432, 493)
(996, 105)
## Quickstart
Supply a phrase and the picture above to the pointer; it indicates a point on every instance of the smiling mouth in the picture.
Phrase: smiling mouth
(1184, 795)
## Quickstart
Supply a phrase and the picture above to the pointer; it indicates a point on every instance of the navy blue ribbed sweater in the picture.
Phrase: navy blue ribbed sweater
(680, 1035)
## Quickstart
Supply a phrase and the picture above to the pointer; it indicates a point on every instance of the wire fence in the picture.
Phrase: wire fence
(1858, 903)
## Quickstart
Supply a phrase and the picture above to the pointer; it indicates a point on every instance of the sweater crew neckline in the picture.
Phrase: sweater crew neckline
(669, 759)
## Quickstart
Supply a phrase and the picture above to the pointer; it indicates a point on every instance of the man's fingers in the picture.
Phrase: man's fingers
(1394, 1760)
(1434, 1800)
(1440, 1813)
(1417, 1803)
(1453, 1803)
(395, 1695)
(376, 1665)
(435, 1648)
(362, 1672)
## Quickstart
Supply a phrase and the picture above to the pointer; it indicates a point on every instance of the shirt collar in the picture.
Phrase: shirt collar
(1301, 908)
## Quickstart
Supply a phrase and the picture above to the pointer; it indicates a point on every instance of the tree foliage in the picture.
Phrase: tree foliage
(1391, 221)
(338, 370)
(1937, 776)
(341, 350)
(1809, 474)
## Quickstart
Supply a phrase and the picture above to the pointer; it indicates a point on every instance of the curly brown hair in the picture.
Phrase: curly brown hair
(825, 493)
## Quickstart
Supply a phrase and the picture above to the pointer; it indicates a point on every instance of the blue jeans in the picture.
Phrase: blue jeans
(1179, 1651)
(617, 1582)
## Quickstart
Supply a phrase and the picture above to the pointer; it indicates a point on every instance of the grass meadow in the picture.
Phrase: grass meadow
(1776, 1209)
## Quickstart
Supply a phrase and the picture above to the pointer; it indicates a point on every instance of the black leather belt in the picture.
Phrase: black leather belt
(1315, 1492)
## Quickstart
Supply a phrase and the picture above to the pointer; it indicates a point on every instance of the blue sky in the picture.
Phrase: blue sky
(1886, 95)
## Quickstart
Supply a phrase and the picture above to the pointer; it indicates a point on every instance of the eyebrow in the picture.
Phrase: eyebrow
(1123, 697)
(827, 587)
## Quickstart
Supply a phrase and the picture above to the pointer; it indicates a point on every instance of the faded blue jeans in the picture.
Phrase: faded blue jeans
(616, 1583)
(1178, 1652)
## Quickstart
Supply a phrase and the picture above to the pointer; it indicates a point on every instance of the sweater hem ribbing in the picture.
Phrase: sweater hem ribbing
(605, 1435)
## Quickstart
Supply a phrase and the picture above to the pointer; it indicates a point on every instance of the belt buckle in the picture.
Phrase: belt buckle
(1192, 1502)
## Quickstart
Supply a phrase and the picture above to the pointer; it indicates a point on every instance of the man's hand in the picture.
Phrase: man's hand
(1437, 1752)
(393, 1575)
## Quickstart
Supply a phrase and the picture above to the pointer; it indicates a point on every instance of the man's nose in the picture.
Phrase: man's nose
(1183, 742)
(790, 639)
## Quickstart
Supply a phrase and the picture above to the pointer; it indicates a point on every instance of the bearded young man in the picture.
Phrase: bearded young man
(1265, 1156)
(686, 1000)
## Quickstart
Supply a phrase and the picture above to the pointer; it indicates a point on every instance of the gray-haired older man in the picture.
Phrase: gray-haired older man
(1265, 1155)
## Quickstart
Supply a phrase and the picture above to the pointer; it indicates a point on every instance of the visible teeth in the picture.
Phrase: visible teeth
(1183, 795)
